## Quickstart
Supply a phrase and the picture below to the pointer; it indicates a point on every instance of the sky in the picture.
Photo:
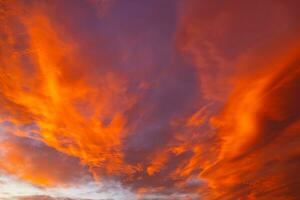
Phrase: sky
(149, 100)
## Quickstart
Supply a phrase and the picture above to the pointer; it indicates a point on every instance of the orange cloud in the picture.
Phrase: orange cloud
(49, 92)
(259, 120)
(257, 80)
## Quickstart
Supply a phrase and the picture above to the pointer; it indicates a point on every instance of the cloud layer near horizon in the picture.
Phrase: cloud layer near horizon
(174, 100)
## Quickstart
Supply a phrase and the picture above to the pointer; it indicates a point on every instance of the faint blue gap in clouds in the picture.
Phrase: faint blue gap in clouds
(30, 130)
(4, 130)
(92, 190)
(12, 188)
(177, 195)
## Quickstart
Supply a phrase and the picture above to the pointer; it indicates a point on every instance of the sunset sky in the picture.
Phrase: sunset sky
(149, 100)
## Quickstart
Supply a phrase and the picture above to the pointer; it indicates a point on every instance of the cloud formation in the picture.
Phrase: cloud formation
(43, 197)
(173, 100)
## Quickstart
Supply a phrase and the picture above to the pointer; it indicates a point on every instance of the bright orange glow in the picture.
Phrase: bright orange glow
(51, 97)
